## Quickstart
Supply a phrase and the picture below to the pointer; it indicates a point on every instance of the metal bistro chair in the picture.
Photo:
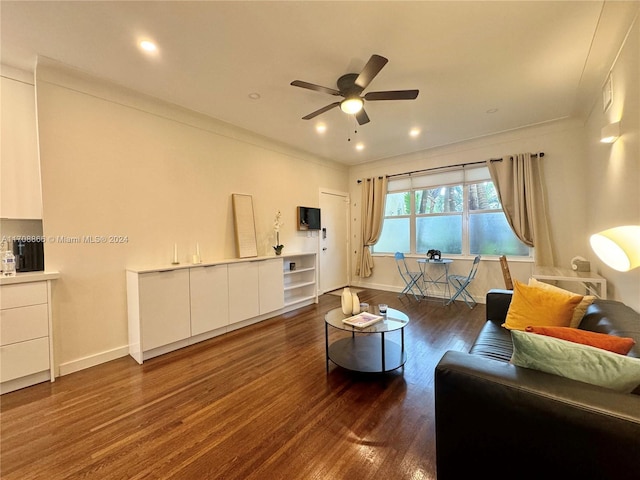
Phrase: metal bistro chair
(410, 278)
(461, 282)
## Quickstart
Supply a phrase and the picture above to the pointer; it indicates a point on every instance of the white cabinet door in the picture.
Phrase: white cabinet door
(20, 194)
(209, 298)
(271, 285)
(244, 299)
(164, 308)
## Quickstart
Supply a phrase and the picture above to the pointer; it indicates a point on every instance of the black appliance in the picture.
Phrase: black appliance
(308, 218)
(29, 255)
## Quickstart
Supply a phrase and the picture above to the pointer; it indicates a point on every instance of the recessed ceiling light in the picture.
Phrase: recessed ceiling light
(492, 110)
(360, 146)
(148, 46)
(414, 132)
(321, 128)
(254, 96)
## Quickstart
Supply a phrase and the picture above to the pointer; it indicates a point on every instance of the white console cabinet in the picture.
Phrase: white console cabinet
(164, 308)
(176, 306)
(244, 294)
(271, 285)
(209, 289)
(26, 350)
(255, 288)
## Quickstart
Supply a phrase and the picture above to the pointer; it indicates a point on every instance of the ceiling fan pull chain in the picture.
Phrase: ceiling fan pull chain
(355, 130)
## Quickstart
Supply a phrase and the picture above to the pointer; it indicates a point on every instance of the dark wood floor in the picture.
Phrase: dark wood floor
(253, 404)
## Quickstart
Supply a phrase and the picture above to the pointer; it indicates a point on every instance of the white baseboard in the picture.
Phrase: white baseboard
(92, 360)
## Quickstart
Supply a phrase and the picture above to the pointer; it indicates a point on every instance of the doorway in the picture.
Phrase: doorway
(334, 240)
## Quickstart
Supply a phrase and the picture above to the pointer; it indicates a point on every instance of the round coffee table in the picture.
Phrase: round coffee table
(366, 349)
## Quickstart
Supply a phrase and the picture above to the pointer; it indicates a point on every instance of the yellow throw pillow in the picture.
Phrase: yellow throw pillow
(537, 306)
(580, 310)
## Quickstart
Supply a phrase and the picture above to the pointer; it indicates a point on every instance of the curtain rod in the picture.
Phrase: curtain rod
(539, 155)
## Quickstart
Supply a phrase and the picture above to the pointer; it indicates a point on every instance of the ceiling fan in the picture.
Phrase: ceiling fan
(351, 85)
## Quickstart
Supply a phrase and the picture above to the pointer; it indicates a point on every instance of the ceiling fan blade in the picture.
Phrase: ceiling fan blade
(362, 117)
(317, 88)
(393, 95)
(322, 110)
(370, 70)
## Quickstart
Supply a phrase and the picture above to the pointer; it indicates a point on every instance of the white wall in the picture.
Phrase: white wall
(562, 144)
(613, 172)
(117, 163)
(590, 186)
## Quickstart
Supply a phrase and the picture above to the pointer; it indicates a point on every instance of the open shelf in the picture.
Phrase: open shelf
(301, 283)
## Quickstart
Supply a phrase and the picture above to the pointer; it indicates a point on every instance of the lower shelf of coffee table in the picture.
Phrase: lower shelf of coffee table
(364, 354)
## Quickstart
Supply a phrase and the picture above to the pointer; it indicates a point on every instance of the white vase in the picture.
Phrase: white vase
(356, 304)
(347, 301)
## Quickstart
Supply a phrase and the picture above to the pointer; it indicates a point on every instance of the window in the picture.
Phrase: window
(457, 212)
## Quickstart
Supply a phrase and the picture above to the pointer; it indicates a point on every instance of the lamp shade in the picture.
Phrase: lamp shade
(610, 133)
(618, 247)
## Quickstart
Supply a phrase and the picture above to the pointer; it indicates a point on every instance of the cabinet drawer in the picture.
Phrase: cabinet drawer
(23, 323)
(24, 358)
(23, 294)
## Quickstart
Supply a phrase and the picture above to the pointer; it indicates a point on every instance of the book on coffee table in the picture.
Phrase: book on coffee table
(363, 320)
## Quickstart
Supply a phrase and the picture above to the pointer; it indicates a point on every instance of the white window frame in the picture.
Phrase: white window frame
(463, 177)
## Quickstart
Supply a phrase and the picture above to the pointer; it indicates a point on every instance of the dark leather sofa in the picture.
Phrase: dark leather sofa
(495, 420)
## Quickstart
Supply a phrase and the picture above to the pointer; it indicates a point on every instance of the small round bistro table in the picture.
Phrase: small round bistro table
(366, 349)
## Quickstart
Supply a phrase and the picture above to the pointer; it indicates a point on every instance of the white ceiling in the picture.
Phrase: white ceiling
(532, 61)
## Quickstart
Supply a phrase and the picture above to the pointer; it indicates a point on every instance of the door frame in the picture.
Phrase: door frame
(340, 193)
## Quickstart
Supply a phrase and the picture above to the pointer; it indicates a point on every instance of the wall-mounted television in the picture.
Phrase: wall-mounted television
(308, 218)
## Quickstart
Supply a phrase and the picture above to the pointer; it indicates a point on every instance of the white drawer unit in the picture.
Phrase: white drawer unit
(24, 359)
(23, 294)
(26, 351)
(24, 323)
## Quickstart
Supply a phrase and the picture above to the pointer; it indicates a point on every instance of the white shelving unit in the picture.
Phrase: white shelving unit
(300, 284)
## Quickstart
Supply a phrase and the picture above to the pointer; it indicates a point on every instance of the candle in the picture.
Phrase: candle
(175, 253)
(198, 249)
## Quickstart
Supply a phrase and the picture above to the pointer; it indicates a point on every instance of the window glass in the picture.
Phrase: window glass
(483, 196)
(455, 218)
(439, 200)
(490, 234)
(397, 204)
(394, 236)
(442, 232)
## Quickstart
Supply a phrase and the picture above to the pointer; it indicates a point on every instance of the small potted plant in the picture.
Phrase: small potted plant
(277, 223)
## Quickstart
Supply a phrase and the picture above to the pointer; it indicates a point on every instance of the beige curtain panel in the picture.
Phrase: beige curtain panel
(518, 181)
(374, 193)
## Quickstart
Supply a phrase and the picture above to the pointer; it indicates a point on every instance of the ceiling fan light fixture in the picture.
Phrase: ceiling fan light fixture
(351, 105)
(148, 46)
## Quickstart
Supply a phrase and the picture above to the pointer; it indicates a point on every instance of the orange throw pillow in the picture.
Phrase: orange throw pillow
(541, 307)
(614, 344)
